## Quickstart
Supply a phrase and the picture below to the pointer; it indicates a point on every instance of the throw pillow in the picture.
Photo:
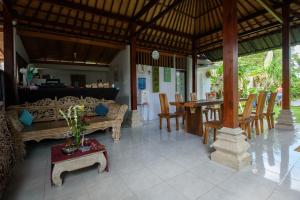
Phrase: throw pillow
(26, 118)
(101, 110)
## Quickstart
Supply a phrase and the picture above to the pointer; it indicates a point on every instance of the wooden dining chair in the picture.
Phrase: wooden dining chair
(193, 96)
(258, 115)
(245, 119)
(165, 112)
(180, 108)
(270, 113)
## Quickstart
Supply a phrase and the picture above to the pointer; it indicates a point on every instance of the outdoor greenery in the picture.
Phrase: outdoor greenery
(262, 71)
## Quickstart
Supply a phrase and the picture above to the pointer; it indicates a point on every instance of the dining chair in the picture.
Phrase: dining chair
(258, 115)
(214, 109)
(180, 108)
(193, 96)
(215, 125)
(245, 118)
(165, 112)
(269, 114)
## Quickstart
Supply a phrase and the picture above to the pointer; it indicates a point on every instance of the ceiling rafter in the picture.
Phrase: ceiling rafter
(241, 20)
(145, 9)
(271, 10)
(100, 12)
(157, 17)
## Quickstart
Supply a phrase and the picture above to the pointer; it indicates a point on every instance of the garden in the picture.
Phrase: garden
(263, 71)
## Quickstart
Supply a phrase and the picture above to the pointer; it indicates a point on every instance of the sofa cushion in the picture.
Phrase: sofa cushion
(26, 118)
(101, 110)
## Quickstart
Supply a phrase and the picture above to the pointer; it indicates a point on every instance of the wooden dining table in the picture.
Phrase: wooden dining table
(193, 113)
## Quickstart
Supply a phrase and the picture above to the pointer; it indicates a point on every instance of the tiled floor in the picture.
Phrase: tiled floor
(153, 164)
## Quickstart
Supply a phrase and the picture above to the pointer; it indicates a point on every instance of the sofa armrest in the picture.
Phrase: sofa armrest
(121, 112)
(12, 117)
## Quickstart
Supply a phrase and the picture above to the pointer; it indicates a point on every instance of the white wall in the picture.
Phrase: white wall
(64, 72)
(203, 83)
(151, 111)
(120, 75)
(20, 49)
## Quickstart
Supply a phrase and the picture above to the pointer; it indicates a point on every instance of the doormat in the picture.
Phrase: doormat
(297, 149)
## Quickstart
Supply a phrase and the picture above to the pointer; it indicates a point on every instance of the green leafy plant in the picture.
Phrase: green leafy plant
(75, 120)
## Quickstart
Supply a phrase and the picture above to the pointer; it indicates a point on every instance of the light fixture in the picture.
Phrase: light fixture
(155, 55)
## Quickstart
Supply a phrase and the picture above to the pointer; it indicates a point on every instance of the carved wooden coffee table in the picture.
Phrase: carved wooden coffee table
(78, 160)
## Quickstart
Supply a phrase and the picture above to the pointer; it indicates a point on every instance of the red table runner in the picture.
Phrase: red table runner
(57, 155)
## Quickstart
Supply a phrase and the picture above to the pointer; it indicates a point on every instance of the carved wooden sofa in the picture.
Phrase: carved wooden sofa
(49, 124)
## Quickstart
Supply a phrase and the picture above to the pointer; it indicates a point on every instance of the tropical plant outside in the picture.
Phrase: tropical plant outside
(262, 71)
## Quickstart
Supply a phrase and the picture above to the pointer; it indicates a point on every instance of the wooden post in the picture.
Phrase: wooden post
(133, 68)
(194, 69)
(8, 36)
(231, 146)
(286, 56)
(230, 60)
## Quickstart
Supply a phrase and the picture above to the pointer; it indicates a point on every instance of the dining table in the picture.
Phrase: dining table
(193, 113)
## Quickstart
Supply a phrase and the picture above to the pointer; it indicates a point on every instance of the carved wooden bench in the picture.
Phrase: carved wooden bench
(49, 124)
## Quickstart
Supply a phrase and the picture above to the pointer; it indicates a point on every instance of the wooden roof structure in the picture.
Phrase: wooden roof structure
(177, 26)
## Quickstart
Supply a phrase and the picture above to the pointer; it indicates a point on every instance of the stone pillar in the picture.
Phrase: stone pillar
(231, 146)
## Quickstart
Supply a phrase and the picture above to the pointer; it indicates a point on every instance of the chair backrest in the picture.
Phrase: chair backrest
(271, 102)
(164, 103)
(249, 106)
(178, 98)
(261, 100)
(193, 96)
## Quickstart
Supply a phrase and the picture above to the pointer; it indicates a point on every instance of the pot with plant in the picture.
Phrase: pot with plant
(75, 119)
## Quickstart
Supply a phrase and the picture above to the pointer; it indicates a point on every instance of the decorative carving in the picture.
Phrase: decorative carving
(46, 111)
(10, 150)
(78, 163)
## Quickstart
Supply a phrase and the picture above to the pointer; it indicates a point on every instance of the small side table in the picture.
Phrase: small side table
(78, 160)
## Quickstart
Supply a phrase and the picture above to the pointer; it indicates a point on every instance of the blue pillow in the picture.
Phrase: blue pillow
(101, 110)
(26, 118)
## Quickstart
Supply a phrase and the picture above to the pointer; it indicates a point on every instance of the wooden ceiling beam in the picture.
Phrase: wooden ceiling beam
(57, 37)
(63, 62)
(89, 9)
(115, 16)
(157, 17)
(295, 13)
(241, 20)
(271, 10)
(145, 9)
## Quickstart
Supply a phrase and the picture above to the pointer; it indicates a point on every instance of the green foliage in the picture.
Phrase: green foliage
(261, 71)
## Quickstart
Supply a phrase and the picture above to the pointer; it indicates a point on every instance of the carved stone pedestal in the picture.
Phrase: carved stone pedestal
(285, 120)
(134, 120)
(231, 148)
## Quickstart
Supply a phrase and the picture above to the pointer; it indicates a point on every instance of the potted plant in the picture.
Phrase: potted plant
(76, 122)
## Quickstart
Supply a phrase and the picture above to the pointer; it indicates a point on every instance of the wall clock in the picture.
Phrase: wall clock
(155, 55)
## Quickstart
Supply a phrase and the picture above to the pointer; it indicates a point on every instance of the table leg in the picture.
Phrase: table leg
(102, 163)
(56, 172)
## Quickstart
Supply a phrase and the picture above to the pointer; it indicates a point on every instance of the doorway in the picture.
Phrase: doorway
(181, 83)
(78, 81)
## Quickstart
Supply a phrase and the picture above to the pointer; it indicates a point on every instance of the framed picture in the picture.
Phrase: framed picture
(141, 83)
(155, 79)
(167, 74)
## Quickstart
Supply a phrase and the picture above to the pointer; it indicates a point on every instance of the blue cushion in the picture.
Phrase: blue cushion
(101, 110)
(26, 118)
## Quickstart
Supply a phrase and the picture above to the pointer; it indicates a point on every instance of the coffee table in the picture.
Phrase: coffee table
(61, 162)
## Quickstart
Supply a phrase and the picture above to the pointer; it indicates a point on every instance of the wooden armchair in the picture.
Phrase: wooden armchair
(258, 115)
(165, 112)
(245, 119)
(270, 114)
